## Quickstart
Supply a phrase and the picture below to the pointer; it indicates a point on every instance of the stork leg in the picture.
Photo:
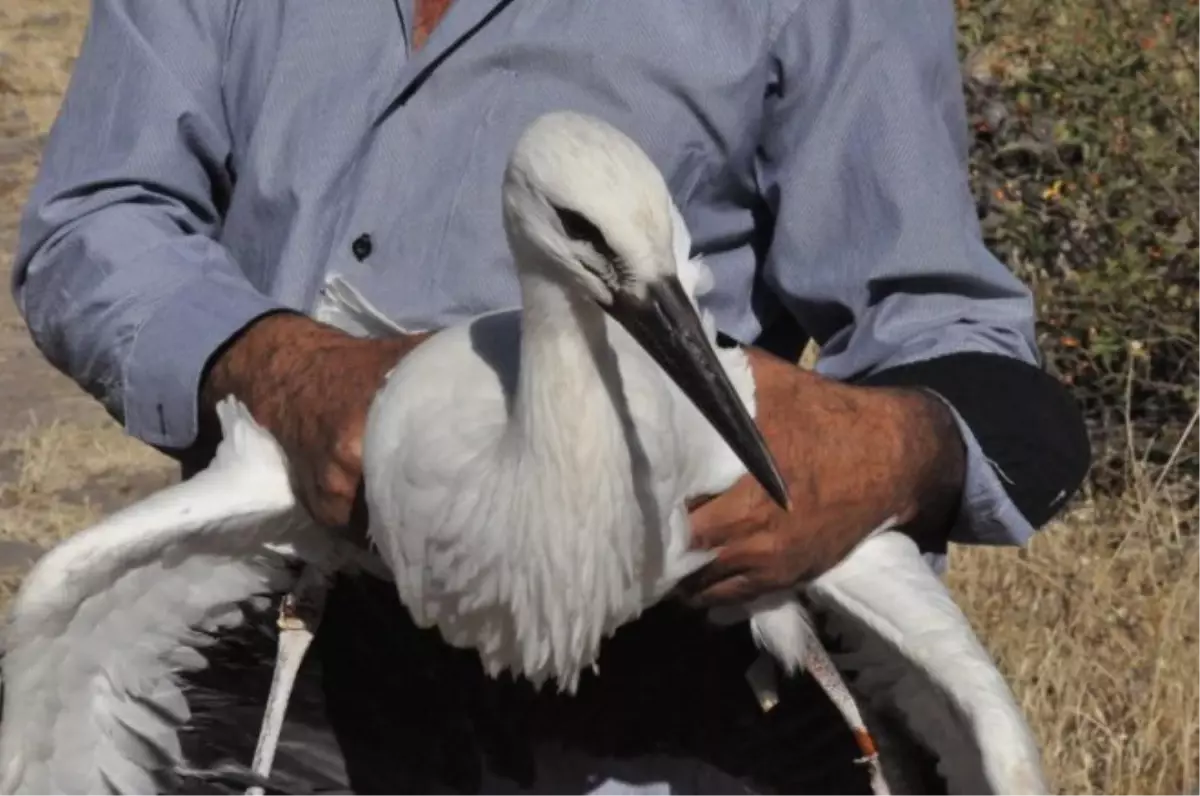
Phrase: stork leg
(785, 631)
(818, 663)
(299, 615)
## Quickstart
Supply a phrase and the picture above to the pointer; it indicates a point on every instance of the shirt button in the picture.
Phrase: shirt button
(361, 247)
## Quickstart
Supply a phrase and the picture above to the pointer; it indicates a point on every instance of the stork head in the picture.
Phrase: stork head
(586, 207)
(584, 202)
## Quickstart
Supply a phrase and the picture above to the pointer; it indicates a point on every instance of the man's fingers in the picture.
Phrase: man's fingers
(330, 494)
(329, 511)
(730, 516)
(705, 515)
(750, 563)
(756, 553)
(347, 518)
(704, 578)
(714, 524)
(348, 449)
(735, 589)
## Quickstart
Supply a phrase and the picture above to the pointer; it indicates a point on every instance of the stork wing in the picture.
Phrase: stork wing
(106, 620)
(914, 654)
(341, 305)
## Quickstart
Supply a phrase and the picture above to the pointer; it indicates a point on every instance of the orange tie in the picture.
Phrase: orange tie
(429, 13)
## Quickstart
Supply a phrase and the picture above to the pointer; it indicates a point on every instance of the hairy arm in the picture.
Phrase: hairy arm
(862, 454)
(853, 458)
(311, 385)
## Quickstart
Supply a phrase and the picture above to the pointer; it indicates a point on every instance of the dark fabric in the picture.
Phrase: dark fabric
(1025, 420)
(413, 715)
(381, 707)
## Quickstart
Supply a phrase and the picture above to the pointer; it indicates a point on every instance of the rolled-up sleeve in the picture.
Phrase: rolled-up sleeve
(876, 250)
(119, 275)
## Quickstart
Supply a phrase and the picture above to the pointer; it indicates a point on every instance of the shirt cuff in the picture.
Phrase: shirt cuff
(172, 349)
(986, 515)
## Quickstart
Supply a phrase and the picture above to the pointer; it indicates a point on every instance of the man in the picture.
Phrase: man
(213, 161)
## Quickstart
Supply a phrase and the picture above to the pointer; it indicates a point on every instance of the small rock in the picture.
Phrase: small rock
(995, 114)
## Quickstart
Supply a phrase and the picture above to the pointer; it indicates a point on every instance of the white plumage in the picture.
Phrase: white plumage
(105, 619)
(526, 475)
(514, 521)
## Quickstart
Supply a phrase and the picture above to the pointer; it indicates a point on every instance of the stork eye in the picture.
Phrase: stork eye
(578, 228)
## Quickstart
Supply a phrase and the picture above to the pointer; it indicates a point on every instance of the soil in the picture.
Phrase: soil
(62, 459)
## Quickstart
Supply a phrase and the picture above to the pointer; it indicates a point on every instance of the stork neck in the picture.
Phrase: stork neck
(566, 365)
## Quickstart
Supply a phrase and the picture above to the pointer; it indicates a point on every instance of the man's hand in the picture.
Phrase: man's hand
(310, 385)
(852, 457)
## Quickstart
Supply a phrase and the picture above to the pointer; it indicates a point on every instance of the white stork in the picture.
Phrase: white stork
(526, 478)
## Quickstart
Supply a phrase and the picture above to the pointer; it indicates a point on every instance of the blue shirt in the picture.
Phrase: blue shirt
(214, 160)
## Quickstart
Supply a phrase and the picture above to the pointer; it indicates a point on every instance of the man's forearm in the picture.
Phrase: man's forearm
(251, 364)
(281, 358)
(1030, 444)
(310, 385)
(932, 460)
(872, 452)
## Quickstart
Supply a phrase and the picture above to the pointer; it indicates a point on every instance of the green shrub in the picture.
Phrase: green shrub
(1084, 165)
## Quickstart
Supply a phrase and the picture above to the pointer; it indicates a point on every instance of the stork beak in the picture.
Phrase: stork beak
(666, 325)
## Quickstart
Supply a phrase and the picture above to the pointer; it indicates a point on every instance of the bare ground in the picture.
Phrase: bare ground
(1095, 623)
(63, 462)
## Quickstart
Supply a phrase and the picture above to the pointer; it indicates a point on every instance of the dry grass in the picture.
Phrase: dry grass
(61, 477)
(66, 475)
(38, 43)
(1095, 623)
